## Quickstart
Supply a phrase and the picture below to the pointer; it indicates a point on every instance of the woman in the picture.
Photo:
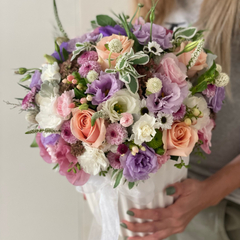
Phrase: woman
(208, 204)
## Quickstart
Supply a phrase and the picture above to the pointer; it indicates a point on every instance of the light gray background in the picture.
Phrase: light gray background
(35, 202)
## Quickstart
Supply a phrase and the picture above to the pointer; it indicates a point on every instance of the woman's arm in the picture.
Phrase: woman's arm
(192, 197)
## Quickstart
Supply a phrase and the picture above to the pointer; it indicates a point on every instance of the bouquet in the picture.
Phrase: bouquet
(122, 100)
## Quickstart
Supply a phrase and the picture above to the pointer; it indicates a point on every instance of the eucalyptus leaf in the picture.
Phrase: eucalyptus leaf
(118, 179)
(131, 185)
(133, 85)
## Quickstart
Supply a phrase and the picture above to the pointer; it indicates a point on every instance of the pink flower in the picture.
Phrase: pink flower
(205, 135)
(210, 91)
(173, 69)
(63, 103)
(29, 99)
(116, 134)
(180, 113)
(43, 152)
(140, 21)
(126, 120)
(162, 159)
(87, 56)
(114, 160)
(66, 133)
(89, 66)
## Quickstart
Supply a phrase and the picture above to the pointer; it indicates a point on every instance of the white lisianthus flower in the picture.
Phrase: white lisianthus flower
(154, 85)
(92, 76)
(93, 160)
(48, 116)
(50, 72)
(115, 45)
(201, 104)
(144, 129)
(121, 102)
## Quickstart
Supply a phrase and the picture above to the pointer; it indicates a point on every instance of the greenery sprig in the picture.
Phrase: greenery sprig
(46, 130)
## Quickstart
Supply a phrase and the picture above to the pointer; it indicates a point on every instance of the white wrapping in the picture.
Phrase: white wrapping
(108, 205)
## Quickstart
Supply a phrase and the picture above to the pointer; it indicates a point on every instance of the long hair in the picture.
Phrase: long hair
(221, 19)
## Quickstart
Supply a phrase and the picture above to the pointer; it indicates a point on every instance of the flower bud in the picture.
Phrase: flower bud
(188, 121)
(194, 121)
(70, 78)
(89, 98)
(60, 40)
(201, 115)
(71, 105)
(195, 112)
(64, 80)
(28, 76)
(143, 148)
(135, 149)
(83, 100)
(21, 71)
(133, 153)
(50, 59)
(140, 5)
(74, 81)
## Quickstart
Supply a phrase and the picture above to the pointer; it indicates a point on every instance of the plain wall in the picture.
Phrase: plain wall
(36, 202)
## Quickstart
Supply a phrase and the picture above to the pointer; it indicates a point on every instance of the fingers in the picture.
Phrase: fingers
(175, 190)
(152, 214)
(142, 238)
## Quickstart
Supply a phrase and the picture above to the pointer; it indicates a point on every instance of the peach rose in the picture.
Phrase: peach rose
(103, 53)
(180, 139)
(81, 127)
(185, 58)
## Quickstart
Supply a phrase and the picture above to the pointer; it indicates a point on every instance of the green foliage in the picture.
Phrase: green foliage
(65, 54)
(131, 185)
(118, 179)
(24, 86)
(55, 166)
(79, 94)
(189, 47)
(46, 130)
(27, 77)
(105, 20)
(34, 143)
(174, 158)
(160, 151)
(186, 33)
(182, 164)
(156, 142)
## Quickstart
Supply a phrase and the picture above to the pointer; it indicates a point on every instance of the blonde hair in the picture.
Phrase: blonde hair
(221, 19)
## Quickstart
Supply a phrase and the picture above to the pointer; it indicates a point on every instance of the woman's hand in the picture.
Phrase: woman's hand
(191, 199)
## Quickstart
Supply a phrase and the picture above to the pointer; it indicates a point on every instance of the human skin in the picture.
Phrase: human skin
(192, 196)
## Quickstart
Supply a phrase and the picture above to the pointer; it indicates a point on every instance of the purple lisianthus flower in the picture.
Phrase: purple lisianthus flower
(105, 87)
(49, 140)
(169, 99)
(180, 113)
(109, 31)
(56, 55)
(159, 35)
(36, 80)
(216, 102)
(138, 167)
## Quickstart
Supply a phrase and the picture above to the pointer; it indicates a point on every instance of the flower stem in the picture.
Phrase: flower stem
(109, 59)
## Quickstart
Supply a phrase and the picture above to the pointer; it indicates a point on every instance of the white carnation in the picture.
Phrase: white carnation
(50, 72)
(93, 160)
(222, 80)
(121, 102)
(201, 104)
(154, 85)
(48, 116)
(144, 129)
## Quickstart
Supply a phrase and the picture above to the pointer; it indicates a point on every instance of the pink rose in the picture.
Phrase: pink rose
(63, 103)
(103, 53)
(81, 127)
(185, 58)
(43, 152)
(205, 135)
(126, 120)
(180, 139)
(175, 70)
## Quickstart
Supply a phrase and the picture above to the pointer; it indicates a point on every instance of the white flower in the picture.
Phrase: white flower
(48, 116)
(219, 68)
(93, 160)
(222, 80)
(92, 76)
(121, 102)
(154, 48)
(201, 104)
(115, 45)
(154, 85)
(165, 120)
(144, 129)
(31, 116)
(51, 72)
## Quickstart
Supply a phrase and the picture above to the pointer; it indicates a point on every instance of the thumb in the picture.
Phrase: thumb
(174, 190)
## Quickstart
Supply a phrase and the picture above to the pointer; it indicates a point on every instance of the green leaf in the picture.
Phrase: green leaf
(24, 86)
(186, 33)
(126, 78)
(55, 166)
(65, 54)
(20, 99)
(105, 20)
(133, 85)
(27, 77)
(107, 47)
(118, 179)
(122, 63)
(174, 158)
(94, 24)
(94, 117)
(114, 171)
(140, 60)
(131, 185)
(84, 106)
(34, 143)
(79, 94)
(181, 164)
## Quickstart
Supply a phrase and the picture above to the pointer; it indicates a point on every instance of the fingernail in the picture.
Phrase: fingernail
(170, 190)
(130, 213)
(123, 225)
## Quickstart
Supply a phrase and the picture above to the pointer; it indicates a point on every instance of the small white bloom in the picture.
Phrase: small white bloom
(50, 72)
(115, 45)
(121, 102)
(154, 48)
(199, 102)
(144, 129)
(154, 85)
(165, 120)
(222, 80)
(31, 116)
(92, 76)
(93, 160)
(219, 68)
(89, 98)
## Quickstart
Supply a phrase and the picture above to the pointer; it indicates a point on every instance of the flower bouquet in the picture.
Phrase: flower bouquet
(120, 109)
